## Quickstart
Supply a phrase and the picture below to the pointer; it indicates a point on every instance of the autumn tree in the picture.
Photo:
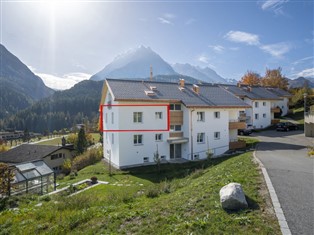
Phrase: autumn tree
(274, 78)
(251, 78)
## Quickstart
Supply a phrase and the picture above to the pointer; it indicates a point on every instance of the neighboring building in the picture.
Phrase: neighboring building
(53, 156)
(202, 118)
(309, 123)
(266, 103)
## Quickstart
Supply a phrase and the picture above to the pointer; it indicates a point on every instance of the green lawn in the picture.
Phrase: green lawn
(182, 199)
(56, 141)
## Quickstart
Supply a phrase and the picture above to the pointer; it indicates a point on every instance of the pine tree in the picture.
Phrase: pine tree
(81, 141)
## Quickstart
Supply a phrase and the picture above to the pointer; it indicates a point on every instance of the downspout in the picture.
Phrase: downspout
(191, 130)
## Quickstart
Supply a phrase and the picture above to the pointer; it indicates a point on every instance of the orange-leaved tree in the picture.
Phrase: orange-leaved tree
(251, 78)
(274, 78)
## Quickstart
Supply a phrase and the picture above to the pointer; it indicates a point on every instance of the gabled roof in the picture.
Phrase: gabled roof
(29, 153)
(252, 92)
(209, 96)
(279, 92)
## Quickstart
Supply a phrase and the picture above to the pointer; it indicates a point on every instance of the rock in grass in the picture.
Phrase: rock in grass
(232, 197)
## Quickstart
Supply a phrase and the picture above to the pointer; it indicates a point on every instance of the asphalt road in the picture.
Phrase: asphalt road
(284, 154)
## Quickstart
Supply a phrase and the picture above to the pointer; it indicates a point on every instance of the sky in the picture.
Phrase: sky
(65, 42)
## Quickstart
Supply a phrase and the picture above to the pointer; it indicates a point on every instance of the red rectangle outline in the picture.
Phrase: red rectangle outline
(101, 127)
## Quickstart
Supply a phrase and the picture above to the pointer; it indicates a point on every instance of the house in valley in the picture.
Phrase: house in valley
(266, 104)
(179, 121)
(52, 156)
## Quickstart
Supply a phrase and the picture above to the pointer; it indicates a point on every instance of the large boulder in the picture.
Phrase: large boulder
(232, 197)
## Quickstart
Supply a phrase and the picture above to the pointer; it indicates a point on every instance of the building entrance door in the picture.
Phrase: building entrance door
(175, 151)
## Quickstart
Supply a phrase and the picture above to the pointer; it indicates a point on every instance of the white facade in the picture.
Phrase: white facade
(132, 134)
(259, 116)
(282, 104)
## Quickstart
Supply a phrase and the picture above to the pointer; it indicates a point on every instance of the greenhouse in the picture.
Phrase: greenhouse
(32, 177)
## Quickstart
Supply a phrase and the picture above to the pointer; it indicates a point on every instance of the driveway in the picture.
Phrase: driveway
(284, 155)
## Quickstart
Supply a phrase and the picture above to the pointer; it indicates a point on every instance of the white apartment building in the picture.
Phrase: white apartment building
(266, 103)
(180, 121)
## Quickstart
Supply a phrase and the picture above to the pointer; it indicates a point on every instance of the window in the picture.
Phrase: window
(264, 115)
(175, 106)
(112, 138)
(158, 137)
(217, 114)
(138, 139)
(56, 156)
(200, 116)
(137, 117)
(158, 115)
(200, 137)
(107, 137)
(264, 103)
(256, 104)
(112, 118)
(256, 116)
(106, 117)
(175, 127)
(216, 135)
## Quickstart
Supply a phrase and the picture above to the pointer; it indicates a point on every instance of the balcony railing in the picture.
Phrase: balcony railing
(176, 118)
(275, 110)
(275, 121)
(176, 134)
(237, 124)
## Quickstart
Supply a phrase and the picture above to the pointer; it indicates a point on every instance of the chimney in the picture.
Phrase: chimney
(249, 89)
(196, 89)
(151, 73)
(182, 82)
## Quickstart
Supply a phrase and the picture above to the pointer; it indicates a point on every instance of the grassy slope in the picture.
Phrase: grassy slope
(185, 205)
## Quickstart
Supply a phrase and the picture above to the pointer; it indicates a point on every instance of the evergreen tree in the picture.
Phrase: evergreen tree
(81, 141)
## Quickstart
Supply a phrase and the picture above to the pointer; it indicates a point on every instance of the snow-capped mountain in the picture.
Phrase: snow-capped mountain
(205, 74)
(135, 63)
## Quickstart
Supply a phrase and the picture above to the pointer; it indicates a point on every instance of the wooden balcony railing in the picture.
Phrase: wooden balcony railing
(234, 125)
(275, 110)
(176, 134)
(275, 121)
(176, 117)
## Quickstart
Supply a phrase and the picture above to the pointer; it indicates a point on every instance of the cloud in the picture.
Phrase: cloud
(303, 60)
(274, 5)
(64, 82)
(203, 59)
(306, 73)
(242, 37)
(217, 48)
(164, 21)
(166, 18)
(277, 49)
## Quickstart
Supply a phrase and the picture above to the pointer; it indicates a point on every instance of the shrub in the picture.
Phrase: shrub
(45, 198)
(88, 158)
(94, 179)
(60, 176)
(152, 192)
(66, 167)
(72, 175)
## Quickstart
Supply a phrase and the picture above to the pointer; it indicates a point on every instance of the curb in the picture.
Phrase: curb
(276, 204)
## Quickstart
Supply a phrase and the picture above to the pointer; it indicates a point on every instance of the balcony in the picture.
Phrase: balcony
(176, 117)
(236, 124)
(275, 110)
(243, 117)
(275, 121)
(239, 144)
(176, 134)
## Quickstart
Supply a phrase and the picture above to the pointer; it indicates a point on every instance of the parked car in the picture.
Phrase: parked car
(244, 131)
(286, 126)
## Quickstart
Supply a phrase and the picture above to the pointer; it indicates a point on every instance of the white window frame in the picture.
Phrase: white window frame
(175, 107)
(137, 117)
(200, 116)
(200, 139)
(136, 139)
(216, 135)
(158, 137)
(217, 114)
(175, 128)
(158, 115)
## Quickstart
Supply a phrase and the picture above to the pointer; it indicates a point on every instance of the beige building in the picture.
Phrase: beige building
(309, 123)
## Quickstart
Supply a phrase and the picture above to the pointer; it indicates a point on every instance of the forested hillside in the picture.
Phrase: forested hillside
(63, 109)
